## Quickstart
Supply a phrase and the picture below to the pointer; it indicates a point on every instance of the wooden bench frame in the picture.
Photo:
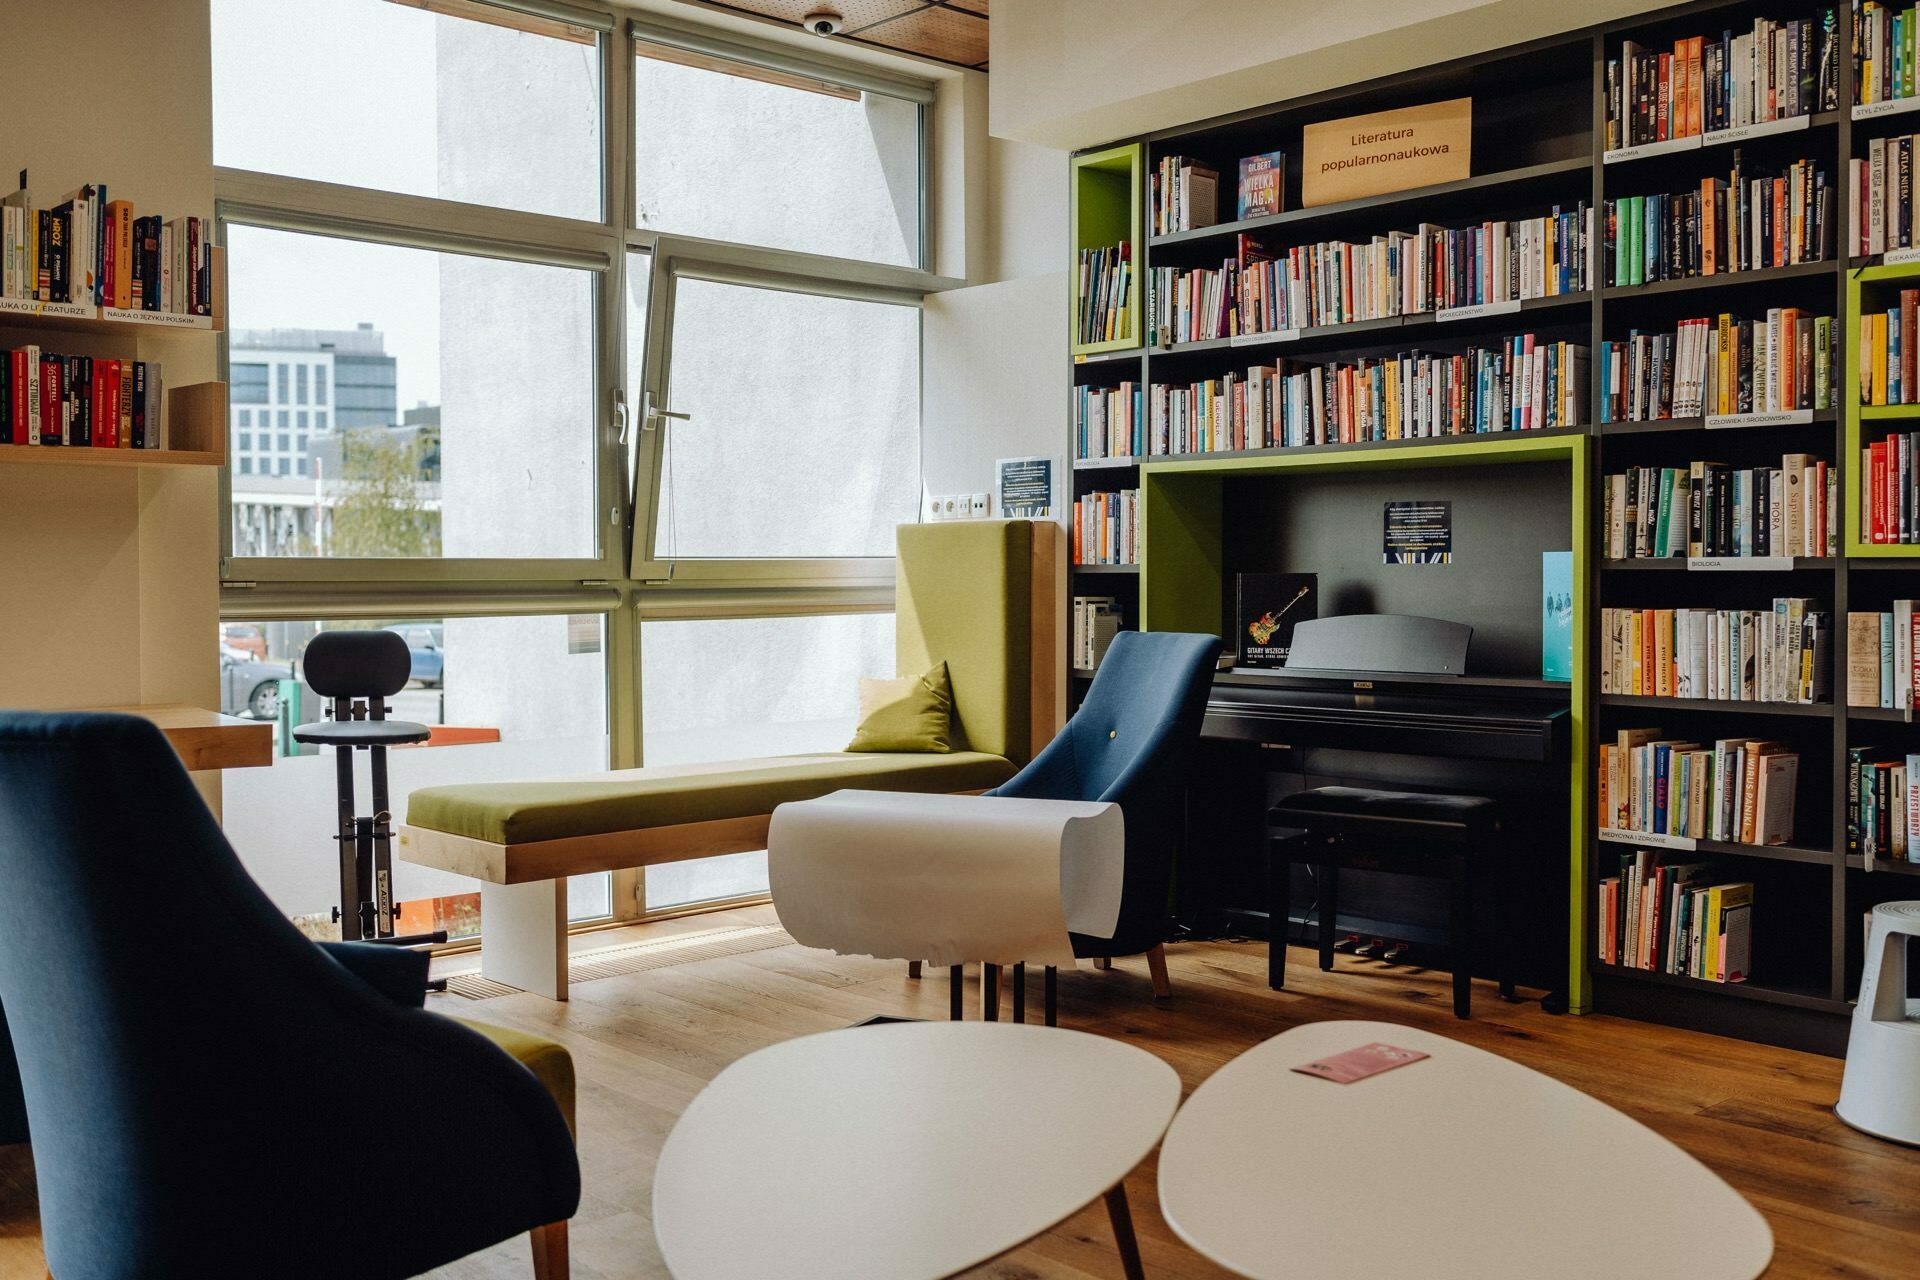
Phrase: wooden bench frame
(523, 887)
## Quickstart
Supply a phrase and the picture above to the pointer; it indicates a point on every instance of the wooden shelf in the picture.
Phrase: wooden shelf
(1722, 848)
(1819, 710)
(1893, 715)
(1478, 439)
(1662, 425)
(1678, 564)
(1527, 175)
(196, 423)
(1857, 863)
(65, 317)
(1421, 321)
(206, 739)
(1132, 569)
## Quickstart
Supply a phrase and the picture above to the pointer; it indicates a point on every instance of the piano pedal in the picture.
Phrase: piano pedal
(1397, 952)
(1373, 950)
(1348, 945)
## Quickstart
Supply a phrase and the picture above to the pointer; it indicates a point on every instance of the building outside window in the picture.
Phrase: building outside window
(441, 264)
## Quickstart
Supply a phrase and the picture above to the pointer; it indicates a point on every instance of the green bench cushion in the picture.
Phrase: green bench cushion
(671, 795)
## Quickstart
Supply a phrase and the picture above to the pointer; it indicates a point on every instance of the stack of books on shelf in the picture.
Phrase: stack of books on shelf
(1883, 53)
(80, 401)
(1739, 223)
(1738, 791)
(1777, 70)
(1890, 490)
(1186, 195)
(1720, 366)
(1109, 422)
(1883, 804)
(1395, 274)
(1106, 528)
(1707, 510)
(1096, 621)
(90, 251)
(1525, 384)
(1106, 276)
(1780, 654)
(1880, 216)
(1889, 353)
(1671, 918)
(1881, 653)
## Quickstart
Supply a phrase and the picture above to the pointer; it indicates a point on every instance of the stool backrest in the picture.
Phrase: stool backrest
(357, 664)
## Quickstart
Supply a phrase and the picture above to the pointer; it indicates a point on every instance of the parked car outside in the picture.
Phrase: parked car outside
(249, 687)
(428, 649)
(245, 636)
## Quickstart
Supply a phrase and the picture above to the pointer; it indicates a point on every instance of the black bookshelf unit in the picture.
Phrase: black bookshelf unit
(1539, 122)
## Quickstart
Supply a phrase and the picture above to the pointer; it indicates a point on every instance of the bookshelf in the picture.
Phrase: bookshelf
(1107, 208)
(1539, 140)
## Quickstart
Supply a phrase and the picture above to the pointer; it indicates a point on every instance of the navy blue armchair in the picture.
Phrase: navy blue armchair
(209, 1094)
(1131, 744)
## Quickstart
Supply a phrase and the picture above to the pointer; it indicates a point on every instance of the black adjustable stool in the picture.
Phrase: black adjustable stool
(1409, 833)
(348, 666)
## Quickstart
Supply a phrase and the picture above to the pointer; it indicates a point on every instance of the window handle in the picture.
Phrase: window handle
(649, 418)
(620, 412)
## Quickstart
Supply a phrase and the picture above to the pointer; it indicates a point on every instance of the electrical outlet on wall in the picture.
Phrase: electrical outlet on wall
(977, 506)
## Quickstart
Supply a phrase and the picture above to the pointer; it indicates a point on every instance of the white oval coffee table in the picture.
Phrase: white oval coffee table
(1465, 1166)
(904, 1152)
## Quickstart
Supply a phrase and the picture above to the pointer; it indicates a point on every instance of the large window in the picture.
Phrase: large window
(791, 688)
(810, 447)
(471, 102)
(509, 376)
(730, 152)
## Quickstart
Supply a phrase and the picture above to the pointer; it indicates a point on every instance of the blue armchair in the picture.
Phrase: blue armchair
(208, 1093)
(1130, 744)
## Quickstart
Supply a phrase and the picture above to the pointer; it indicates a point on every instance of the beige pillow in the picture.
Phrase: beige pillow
(907, 713)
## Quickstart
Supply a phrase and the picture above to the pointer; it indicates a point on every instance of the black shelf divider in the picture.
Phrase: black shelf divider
(1719, 706)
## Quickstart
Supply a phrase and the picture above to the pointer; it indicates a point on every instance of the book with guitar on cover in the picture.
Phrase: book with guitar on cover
(1270, 604)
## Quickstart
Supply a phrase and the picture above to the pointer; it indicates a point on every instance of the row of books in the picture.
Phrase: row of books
(1395, 274)
(1880, 657)
(1106, 279)
(83, 401)
(90, 250)
(1725, 364)
(1890, 490)
(1890, 363)
(1185, 195)
(1709, 510)
(1106, 528)
(1740, 790)
(1880, 215)
(1883, 52)
(1775, 71)
(1096, 621)
(1736, 223)
(1109, 422)
(1781, 654)
(1883, 809)
(1522, 385)
(1673, 918)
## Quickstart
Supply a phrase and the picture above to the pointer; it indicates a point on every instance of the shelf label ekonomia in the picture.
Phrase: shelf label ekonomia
(1477, 310)
(1738, 564)
(1651, 839)
(1773, 418)
(1270, 335)
(1885, 107)
(1740, 133)
(1615, 156)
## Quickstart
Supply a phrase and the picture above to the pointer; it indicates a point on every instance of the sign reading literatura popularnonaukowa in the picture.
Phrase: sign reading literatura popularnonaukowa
(1387, 151)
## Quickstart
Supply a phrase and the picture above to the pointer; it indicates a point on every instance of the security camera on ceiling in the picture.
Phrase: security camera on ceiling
(824, 22)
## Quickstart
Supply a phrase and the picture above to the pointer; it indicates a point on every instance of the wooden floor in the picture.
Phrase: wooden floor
(1840, 1203)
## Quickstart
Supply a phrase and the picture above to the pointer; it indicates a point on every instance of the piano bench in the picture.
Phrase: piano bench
(1409, 833)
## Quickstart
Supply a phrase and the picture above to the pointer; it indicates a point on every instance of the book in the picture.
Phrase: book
(1096, 620)
(53, 399)
(1719, 366)
(1267, 607)
(1106, 528)
(1263, 180)
(1742, 221)
(1105, 289)
(1708, 510)
(1185, 195)
(1775, 69)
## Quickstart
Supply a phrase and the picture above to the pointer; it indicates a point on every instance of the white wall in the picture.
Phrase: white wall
(1074, 73)
(116, 569)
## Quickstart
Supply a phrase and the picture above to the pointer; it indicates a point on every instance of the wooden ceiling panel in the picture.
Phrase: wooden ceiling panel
(950, 35)
(858, 13)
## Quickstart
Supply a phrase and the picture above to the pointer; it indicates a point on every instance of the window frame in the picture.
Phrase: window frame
(623, 580)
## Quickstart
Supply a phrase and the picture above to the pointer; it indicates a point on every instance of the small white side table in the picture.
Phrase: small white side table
(948, 880)
(1463, 1167)
(906, 1152)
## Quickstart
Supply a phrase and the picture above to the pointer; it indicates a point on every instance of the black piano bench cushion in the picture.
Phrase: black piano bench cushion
(1362, 811)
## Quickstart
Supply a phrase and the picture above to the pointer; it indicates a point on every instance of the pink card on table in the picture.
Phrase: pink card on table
(1358, 1064)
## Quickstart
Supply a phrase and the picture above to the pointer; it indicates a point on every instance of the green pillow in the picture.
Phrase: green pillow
(909, 713)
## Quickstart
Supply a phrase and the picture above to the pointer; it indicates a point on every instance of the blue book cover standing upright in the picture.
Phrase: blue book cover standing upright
(1556, 615)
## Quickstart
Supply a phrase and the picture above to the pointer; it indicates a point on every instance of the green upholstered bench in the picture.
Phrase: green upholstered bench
(977, 595)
